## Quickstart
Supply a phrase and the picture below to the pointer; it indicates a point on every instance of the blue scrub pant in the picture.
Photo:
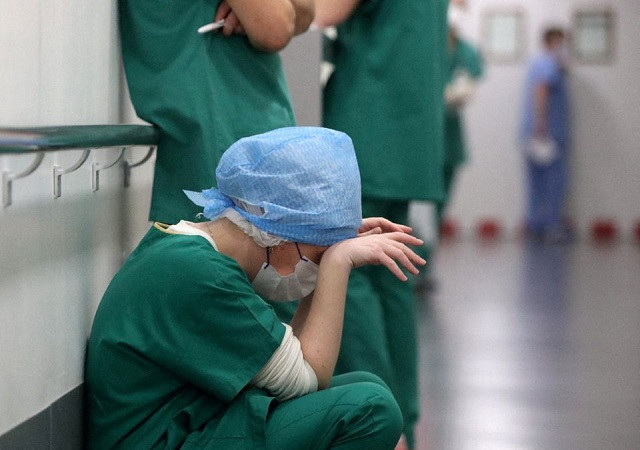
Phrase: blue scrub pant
(547, 194)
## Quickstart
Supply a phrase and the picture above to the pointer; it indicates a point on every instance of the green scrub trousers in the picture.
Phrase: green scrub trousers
(357, 412)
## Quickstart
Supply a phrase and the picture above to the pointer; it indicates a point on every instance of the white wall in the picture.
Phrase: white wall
(60, 65)
(301, 64)
(605, 167)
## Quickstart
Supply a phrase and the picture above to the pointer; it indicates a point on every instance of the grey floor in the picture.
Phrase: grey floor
(531, 347)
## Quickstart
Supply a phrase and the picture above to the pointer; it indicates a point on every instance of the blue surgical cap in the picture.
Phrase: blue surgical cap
(300, 183)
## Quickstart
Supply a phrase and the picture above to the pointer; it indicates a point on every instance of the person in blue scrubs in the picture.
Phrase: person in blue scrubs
(546, 121)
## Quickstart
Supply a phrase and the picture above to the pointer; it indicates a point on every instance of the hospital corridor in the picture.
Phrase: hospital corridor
(318, 224)
(531, 347)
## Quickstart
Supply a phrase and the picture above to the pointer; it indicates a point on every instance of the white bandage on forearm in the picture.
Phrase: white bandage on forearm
(287, 375)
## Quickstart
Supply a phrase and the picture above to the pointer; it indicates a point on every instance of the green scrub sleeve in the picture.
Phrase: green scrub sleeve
(468, 58)
(223, 334)
(205, 323)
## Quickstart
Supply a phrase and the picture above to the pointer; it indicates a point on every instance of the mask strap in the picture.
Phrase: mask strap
(300, 253)
(268, 249)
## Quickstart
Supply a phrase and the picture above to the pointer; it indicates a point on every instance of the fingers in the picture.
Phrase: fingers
(390, 264)
(401, 255)
(412, 258)
(223, 11)
(405, 256)
(388, 249)
(230, 24)
(394, 252)
(376, 230)
(404, 238)
(386, 225)
(397, 236)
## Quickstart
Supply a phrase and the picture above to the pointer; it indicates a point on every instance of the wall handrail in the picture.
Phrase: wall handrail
(39, 140)
(23, 140)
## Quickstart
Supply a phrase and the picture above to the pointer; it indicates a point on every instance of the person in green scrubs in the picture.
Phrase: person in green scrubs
(465, 69)
(386, 93)
(205, 91)
(185, 353)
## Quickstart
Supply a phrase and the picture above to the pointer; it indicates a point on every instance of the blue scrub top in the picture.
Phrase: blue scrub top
(546, 69)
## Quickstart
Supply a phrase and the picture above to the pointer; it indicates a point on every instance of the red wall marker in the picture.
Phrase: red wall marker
(604, 230)
(489, 229)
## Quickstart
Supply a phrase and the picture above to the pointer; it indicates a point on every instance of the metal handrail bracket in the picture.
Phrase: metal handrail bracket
(128, 166)
(76, 137)
(8, 178)
(58, 171)
(97, 167)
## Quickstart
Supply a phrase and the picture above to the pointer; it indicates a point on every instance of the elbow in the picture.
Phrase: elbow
(272, 43)
(304, 18)
(274, 34)
(324, 382)
(327, 20)
(327, 16)
(323, 374)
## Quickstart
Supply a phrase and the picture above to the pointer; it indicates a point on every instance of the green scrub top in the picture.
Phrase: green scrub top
(463, 57)
(387, 94)
(177, 337)
(203, 92)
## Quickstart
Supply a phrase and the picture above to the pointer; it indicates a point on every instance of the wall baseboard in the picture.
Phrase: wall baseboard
(59, 426)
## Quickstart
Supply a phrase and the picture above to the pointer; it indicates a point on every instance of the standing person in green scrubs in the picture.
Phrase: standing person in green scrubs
(464, 70)
(386, 93)
(205, 91)
(185, 353)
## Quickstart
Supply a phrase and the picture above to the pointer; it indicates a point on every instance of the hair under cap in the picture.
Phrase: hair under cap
(299, 183)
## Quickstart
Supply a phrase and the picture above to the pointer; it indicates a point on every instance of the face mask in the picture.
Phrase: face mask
(273, 286)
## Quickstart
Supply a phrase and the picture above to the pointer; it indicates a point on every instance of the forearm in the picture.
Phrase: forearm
(320, 332)
(334, 12)
(268, 24)
(300, 316)
(319, 323)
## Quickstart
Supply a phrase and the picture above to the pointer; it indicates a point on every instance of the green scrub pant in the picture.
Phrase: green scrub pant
(356, 412)
(380, 324)
(450, 171)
